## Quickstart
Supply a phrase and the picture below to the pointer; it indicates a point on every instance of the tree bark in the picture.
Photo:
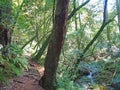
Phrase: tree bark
(55, 45)
(5, 22)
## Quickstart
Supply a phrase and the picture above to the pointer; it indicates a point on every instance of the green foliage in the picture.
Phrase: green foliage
(32, 22)
(16, 57)
(65, 83)
(116, 79)
(49, 3)
(3, 77)
(13, 64)
(94, 67)
(103, 71)
(42, 49)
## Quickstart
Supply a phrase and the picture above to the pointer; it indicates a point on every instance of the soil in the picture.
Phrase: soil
(28, 81)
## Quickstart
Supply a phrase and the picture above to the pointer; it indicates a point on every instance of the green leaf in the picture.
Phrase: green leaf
(48, 3)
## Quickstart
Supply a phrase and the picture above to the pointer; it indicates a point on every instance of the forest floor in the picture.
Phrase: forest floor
(28, 81)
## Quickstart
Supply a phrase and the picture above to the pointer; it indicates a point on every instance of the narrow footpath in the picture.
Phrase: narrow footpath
(29, 80)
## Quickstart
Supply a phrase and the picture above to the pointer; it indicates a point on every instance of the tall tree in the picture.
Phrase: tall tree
(44, 46)
(55, 45)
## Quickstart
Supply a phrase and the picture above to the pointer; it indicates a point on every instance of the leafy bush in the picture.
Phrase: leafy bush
(13, 64)
(64, 83)
(65, 77)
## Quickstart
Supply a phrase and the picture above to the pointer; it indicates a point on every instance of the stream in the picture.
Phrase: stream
(96, 76)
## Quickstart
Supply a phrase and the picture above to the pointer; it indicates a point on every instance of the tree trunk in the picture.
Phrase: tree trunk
(55, 45)
(118, 11)
(5, 21)
(43, 48)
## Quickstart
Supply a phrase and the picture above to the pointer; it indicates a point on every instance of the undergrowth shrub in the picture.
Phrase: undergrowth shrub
(104, 72)
(65, 83)
(66, 75)
(13, 64)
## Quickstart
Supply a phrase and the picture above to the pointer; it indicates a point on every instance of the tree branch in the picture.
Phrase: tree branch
(97, 35)
(105, 22)
(75, 10)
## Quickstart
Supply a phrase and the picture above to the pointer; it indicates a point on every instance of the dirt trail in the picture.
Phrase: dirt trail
(29, 80)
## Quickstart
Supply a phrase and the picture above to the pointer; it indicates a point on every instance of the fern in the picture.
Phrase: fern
(13, 64)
